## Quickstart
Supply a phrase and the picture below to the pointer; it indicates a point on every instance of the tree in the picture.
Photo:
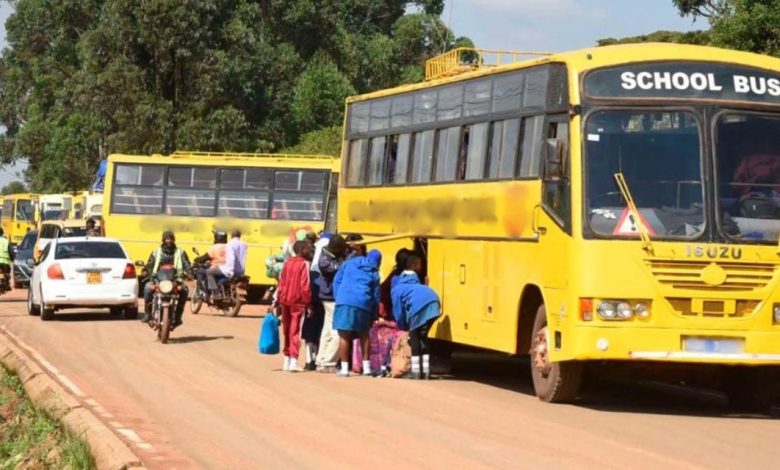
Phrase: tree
(82, 79)
(705, 8)
(691, 37)
(14, 187)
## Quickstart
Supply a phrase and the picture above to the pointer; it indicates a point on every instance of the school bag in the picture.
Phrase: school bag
(269, 335)
(381, 337)
(400, 356)
(357, 357)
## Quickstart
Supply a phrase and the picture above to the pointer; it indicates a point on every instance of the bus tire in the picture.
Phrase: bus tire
(554, 382)
(748, 389)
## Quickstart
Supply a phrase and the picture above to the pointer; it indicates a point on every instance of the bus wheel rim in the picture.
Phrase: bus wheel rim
(541, 358)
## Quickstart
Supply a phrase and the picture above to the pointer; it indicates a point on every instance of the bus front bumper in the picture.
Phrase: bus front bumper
(671, 345)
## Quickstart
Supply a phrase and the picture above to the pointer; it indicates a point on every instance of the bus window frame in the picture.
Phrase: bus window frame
(718, 219)
(218, 189)
(704, 162)
(565, 225)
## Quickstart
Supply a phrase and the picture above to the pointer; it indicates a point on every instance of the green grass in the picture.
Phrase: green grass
(29, 435)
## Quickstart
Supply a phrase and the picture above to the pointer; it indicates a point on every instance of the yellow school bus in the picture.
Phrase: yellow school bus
(265, 196)
(19, 215)
(609, 204)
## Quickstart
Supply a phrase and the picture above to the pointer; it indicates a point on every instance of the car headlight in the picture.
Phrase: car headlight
(624, 311)
(166, 286)
(607, 310)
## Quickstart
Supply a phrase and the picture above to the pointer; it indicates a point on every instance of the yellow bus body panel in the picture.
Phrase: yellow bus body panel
(486, 251)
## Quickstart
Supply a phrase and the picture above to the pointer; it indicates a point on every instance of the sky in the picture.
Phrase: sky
(528, 25)
(559, 25)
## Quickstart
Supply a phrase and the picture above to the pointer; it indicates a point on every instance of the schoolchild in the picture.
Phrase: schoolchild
(294, 296)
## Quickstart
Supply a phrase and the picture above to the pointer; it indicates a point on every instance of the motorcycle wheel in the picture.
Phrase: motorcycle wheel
(233, 310)
(196, 301)
(165, 325)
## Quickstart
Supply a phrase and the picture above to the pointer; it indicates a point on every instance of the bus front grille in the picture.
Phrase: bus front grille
(739, 276)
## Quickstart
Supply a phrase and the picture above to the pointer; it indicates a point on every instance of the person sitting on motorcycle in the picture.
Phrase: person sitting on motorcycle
(215, 255)
(167, 253)
(6, 256)
(234, 264)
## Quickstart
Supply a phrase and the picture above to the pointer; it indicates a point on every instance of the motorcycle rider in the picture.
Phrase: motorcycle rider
(215, 254)
(5, 260)
(234, 264)
(167, 253)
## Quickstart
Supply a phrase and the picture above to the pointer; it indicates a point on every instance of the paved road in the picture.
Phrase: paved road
(208, 400)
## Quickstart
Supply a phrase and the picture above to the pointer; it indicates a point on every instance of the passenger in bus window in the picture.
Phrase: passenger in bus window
(356, 289)
(415, 308)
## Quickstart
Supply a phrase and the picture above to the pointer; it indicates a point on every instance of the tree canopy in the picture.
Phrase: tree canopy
(747, 25)
(14, 187)
(84, 78)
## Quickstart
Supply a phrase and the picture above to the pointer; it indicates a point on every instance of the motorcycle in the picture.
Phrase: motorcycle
(166, 288)
(233, 291)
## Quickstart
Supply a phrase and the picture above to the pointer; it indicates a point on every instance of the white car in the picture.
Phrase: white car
(83, 272)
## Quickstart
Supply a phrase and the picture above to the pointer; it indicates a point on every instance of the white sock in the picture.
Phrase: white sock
(366, 367)
(286, 365)
(416, 364)
(344, 368)
(311, 352)
(293, 363)
(426, 363)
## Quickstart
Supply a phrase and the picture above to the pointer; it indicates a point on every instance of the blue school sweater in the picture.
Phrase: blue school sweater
(410, 299)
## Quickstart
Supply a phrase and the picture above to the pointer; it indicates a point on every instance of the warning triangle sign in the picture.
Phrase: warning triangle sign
(627, 226)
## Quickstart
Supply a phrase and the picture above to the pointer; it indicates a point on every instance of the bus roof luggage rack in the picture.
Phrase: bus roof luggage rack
(467, 59)
(186, 153)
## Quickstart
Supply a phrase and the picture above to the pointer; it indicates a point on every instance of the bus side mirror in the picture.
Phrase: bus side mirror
(554, 159)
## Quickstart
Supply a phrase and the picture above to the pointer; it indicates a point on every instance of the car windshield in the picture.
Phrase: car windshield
(53, 214)
(748, 176)
(25, 211)
(73, 250)
(659, 154)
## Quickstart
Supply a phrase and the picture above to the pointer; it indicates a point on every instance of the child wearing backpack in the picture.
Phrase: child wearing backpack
(294, 296)
(415, 308)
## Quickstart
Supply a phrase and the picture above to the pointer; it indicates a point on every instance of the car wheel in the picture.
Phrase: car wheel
(32, 309)
(131, 313)
(47, 311)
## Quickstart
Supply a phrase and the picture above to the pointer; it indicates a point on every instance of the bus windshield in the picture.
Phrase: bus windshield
(659, 154)
(748, 175)
(25, 211)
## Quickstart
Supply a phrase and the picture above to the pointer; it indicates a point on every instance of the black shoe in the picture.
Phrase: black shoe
(147, 318)
(310, 366)
(426, 376)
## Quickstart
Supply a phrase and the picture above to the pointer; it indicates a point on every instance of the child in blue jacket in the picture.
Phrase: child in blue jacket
(415, 308)
(356, 289)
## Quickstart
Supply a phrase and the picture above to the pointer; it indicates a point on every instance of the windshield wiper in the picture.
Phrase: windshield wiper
(633, 212)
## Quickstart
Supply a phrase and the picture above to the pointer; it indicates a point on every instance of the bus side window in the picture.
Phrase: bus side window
(556, 188)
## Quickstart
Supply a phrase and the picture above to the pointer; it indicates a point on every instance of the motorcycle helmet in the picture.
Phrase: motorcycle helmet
(220, 236)
(168, 233)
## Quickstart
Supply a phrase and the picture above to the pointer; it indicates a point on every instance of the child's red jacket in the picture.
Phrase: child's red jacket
(294, 284)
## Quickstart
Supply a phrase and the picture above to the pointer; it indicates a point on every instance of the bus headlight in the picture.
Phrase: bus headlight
(641, 310)
(607, 310)
(776, 313)
(624, 311)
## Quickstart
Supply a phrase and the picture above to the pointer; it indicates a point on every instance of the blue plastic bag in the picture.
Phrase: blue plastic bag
(269, 335)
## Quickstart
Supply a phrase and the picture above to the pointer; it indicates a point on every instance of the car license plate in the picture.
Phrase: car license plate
(94, 277)
(714, 345)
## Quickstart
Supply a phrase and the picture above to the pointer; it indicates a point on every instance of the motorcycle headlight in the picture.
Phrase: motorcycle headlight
(166, 286)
